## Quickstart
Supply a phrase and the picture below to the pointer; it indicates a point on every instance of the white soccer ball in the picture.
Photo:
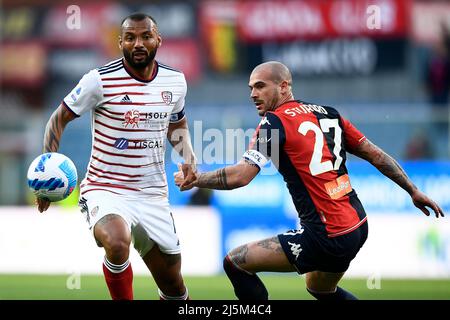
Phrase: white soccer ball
(52, 176)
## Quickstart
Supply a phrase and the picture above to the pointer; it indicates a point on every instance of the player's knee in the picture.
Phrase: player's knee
(229, 265)
(235, 257)
(247, 286)
(117, 250)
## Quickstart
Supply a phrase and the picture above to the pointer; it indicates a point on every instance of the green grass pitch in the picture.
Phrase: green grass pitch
(280, 287)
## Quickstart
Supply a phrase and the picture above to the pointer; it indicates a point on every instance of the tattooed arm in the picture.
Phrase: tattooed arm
(385, 164)
(392, 169)
(55, 127)
(227, 178)
(180, 139)
(52, 136)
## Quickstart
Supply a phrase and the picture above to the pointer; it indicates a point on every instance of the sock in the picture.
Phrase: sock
(339, 294)
(119, 279)
(163, 296)
(247, 286)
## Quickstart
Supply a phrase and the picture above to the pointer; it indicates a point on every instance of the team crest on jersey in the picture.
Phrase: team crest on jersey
(167, 97)
(131, 117)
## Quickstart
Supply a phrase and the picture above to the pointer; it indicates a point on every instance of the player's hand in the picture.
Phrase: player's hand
(178, 176)
(185, 177)
(42, 204)
(421, 201)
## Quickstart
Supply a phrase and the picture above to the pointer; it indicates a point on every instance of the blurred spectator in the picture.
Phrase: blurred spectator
(419, 147)
(438, 87)
(438, 71)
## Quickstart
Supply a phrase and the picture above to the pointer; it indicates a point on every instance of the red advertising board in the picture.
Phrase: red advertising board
(78, 25)
(23, 64)
(259, 21)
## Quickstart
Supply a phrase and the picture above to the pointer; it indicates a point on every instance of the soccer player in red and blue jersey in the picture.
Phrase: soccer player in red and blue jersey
(308, 144)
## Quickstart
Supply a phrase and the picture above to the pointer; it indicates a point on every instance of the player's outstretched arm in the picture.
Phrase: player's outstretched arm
(53, 132)
(180, 139)
(55, 127)
(227, 178)
(392, 169)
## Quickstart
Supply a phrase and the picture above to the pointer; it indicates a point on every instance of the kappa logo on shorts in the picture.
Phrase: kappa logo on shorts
(296, 249)
(294, 232)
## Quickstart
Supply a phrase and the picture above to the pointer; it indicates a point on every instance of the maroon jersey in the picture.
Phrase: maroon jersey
(308, 144)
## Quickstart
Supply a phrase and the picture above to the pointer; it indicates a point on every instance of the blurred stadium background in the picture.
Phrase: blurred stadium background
(391, 79)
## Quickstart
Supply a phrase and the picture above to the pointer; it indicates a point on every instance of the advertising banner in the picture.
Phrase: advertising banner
(340, 56)
(59, 242)
(289, 20)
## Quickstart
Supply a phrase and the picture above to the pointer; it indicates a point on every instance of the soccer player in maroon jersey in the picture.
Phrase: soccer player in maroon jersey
(308, 144)
(135, 103)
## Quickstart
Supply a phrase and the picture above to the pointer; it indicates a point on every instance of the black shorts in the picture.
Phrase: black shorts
(309, 251)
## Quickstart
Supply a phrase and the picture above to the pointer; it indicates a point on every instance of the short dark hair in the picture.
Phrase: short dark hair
(138, 16)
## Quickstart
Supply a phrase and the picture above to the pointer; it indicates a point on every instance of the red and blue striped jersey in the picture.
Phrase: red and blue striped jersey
(308, 144)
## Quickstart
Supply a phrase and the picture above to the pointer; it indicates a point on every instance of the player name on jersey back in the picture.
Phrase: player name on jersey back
(304, 109)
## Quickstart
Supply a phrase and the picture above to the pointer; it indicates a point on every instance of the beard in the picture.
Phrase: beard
(141, 64)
